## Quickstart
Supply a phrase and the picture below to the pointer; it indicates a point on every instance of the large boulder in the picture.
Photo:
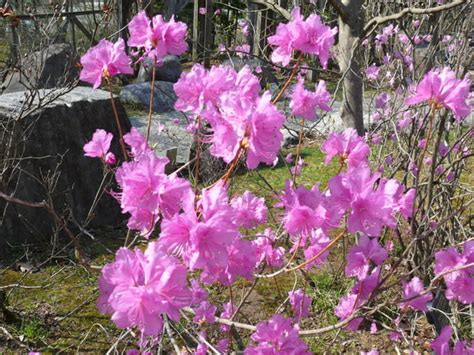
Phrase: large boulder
(41, 150)
(139, 94)
(169, 70)
(168, 132)
(52, 66)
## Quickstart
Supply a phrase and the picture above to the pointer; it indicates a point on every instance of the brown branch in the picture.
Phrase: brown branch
(378, 20)
(54, 216)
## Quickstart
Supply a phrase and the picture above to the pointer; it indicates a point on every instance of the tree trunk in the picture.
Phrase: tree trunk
(353, 95)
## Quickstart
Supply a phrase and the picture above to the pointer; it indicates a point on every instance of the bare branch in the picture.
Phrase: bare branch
(340, 9)
(378, 20)
(273, 6)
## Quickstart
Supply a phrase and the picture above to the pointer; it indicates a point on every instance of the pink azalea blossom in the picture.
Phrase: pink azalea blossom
(460, 284)
(199, 294)
(304, 103)
(273, 256)
(105, 60)
(441, 344)
(223, 345)
(277, 336)
(308, 36)
(300, 303)
(348, 146)
(138, 288)
(381, 100)
(227, 313)
(202, 10)
(317, 242)
(370, 209)
(373, 328)
(205, 313)
(99, 146)
(359, 293)
(411, 292)
(361, 255)
(110, 158)
(250, 211)
(241, 261)
(157, 37)
(442, 89)
(304, 210)
(372, 72)
(146, 191)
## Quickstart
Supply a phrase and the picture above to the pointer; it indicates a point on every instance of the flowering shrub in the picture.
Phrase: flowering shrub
(204, 236)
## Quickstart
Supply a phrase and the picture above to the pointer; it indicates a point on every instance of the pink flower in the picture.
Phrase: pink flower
(361, 255)
(359, 293)
(99, 146)
(273, 256)
(105, 60)
(460, 284)
(348, 146)
(241, 261)
(441, 344)
(304, 103)
(381, 100)
(250, 211)
(199, 294)
(277, 335)
(372, 72)
(110, 158)
(146, 191)
(205, 313)
(300, 303)
(370, 209)
(202, 10)
(443, 89)
(303, 209)
(227, 313)
(443, 148)
(411, 292)
(157, 37)
(138, 288)
(317, 242)
(373, 328)
(242, 50)
(265, 135)
(310, 36)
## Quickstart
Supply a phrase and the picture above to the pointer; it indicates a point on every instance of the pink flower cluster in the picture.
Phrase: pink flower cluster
(147, 193)
(304, 102)
(441, 344)
(308, 36)
(99, 147)
(138, 288)
(105, 60)
(207, 237)
(156, 37)
(277, 336)
(238, 116)
(457, 274)
(441, 88)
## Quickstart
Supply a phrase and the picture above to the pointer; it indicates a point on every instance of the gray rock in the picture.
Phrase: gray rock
(168, 131)
(53, 66)
(51, 141)
(170, 70)
(164, 96)
(266, 76)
